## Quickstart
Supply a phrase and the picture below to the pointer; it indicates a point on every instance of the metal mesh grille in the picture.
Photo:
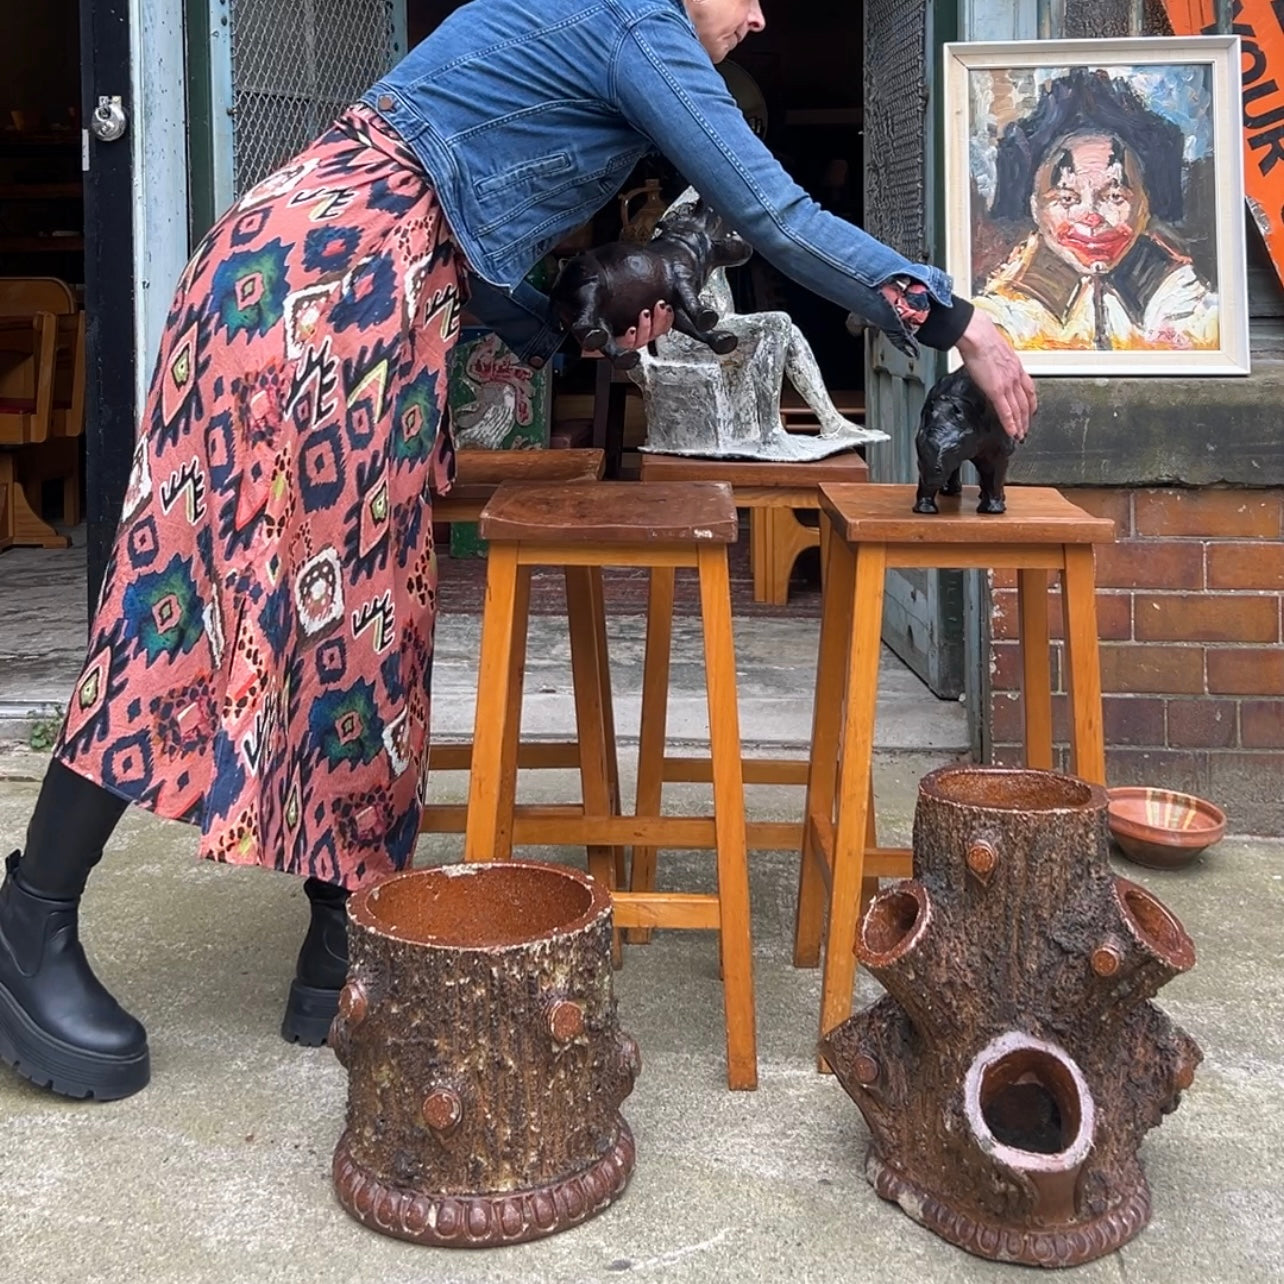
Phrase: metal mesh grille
(295, 65)
(896, 124)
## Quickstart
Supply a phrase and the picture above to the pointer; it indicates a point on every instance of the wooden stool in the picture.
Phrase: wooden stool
(620, 524)
(872, 529)
(478, 475)
(772, 492)
(766, 488)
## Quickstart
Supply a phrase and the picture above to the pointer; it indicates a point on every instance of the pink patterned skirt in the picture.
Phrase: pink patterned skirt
(259, 662)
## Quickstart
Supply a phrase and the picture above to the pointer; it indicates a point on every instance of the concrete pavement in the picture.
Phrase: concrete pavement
(219, 1171)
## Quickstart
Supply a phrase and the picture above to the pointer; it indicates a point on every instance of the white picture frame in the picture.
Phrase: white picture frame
(1095, 201)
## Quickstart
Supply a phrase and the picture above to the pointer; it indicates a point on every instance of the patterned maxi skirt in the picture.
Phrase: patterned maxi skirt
(260, 658)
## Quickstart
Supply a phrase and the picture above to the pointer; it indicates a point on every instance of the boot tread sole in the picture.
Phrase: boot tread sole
(62, 1068)
(309, 1012)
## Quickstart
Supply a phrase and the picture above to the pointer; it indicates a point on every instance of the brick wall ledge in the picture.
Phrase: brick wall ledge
(1162, 431)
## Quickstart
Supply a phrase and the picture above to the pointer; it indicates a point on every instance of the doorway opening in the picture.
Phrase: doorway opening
(42, 275)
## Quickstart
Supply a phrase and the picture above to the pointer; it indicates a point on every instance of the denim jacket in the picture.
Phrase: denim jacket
(529, 115)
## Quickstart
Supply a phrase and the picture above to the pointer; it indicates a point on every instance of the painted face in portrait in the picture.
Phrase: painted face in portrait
(723, 24)
(1089, 202)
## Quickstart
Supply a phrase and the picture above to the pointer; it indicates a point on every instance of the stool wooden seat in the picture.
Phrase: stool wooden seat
(773, 492)
(620, 524)
(478, 475)
(873, 528)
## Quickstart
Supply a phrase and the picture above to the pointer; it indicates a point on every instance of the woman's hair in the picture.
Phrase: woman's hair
(1089, 102)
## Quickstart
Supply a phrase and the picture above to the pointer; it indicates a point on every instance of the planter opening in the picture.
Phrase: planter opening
(478, 906)
(890, 922)
(1010, 790)
(1030, 1102)
(1154, 926)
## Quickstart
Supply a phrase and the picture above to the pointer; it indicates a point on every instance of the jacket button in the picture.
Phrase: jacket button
(385, 102)
(536, 363)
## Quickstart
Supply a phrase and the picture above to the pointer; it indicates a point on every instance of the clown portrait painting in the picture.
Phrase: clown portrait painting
(1096, 206)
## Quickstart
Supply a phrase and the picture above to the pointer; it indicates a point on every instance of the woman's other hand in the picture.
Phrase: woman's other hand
(651, 325)
(993, 363)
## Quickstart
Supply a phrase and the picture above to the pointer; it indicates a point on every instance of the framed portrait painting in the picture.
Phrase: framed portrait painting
(1096, 201)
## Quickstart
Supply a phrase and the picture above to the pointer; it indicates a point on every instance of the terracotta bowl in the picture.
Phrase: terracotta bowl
(1163, 829)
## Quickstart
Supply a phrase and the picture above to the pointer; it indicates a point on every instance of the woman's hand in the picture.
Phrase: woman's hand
(651, 325)
(994, 365)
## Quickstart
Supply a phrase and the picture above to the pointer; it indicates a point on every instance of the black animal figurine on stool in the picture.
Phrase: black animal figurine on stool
(959, 424)
(600, 293)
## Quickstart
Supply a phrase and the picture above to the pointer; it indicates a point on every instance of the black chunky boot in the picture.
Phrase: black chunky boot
(321, 969)
(58, 1026)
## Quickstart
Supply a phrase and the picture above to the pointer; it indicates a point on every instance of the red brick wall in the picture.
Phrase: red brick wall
(1190, 604)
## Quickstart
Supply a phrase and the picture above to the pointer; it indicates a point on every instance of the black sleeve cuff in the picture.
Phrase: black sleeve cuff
(944, 326)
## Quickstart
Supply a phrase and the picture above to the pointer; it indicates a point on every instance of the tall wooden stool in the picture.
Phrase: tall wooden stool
(478, 475)
(620, 524)
(773, 492)
(872, 529)
(765, 488)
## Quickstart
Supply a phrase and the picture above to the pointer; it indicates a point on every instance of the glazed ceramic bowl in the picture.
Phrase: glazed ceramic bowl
(1163, 829)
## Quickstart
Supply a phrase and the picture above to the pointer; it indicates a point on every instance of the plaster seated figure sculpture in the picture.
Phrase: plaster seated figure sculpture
(601, 292)
(700, 404)
(958, 424)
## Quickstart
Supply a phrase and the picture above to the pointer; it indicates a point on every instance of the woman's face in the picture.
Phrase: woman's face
(1088, 202)
(723, 24)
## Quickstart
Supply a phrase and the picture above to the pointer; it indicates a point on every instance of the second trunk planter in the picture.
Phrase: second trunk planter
(485, 1062)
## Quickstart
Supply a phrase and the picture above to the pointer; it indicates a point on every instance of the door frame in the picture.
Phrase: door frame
(924, 618)
(136, 236)
(108, 168)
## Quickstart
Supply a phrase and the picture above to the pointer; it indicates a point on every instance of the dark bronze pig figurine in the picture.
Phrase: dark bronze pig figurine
(959, 424)
(601, 292)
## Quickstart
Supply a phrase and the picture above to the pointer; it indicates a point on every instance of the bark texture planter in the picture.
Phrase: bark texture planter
(485, 1063)
(1016, 1063)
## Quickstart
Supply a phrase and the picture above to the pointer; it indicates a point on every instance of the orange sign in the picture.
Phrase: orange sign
(1260, 26)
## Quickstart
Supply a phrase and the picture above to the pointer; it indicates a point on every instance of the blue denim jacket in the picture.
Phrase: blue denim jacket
(529, 115)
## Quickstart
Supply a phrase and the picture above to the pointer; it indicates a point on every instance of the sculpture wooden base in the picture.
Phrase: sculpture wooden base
(485, 1063)
(1016, 1064)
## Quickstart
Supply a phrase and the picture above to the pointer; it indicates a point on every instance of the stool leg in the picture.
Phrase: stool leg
(1083, 663)
(589, 721)
(869, 886)
(760, 552)
(835, 627)
(860, 699)
(652, 731)
(1036, 667)
(729, 818)
(513, 717)
(485, 780)
(598, 607)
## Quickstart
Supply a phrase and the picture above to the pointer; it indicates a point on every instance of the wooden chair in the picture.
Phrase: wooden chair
(478, 475)
(57, 458)
(42, 390)
(872, 529)
(620, 524)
